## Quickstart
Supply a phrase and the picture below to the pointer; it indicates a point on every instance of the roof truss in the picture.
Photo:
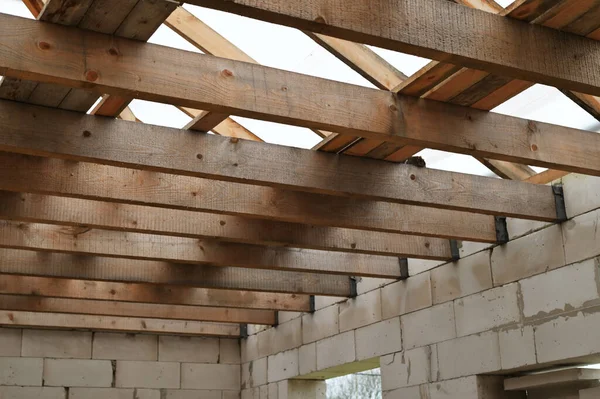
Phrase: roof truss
(147, 229)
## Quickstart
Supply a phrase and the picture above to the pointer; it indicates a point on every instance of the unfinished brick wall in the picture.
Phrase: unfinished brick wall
(529, 304)
(46, 364)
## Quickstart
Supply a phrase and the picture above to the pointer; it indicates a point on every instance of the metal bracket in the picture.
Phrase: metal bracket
(559, 200)
(243, 330)
(311, 304)
(353, 289)
(403, 268)
(454, 251)
(276, 319)
(501, 230)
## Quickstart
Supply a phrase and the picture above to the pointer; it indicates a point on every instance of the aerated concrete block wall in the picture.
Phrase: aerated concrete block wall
(47, 364)
(452, 330)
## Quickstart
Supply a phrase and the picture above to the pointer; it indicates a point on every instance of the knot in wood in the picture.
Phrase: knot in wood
(234, 140)
(44, 45)
(534, 147)
(113, 51)
(413, 177)
(227, 73)
(91, 75)
(87, 133)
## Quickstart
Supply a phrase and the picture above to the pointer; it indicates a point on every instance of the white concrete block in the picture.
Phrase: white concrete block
(581, 237)
(490, 309)
(517, 347)
(404, 369)
(418, 266)
(378, 339)
(232, 395)
(254, 373)
(251, 393)
(10, 342)
(139, 374)
(325, 301)
(191, 394)
(273, 391)
(308, 358)
(360, 311)
(568, 336)
(428, 326)
(567, 288)
(582, 193)
(77, 373)
(113, 393)
(249, 348)
(406, 296)
(284, 337)
(263, 392)
(416, 392)
(321, 324)
(125, 346)
(57, 344)
(465, 277)
(527, 256)
(460, 388)
(210, 376)
(287, 316)
(283, 365)
(474, 354)
(21, 371)
(522, 227)
(188, 349)
(229, 351)
(336, 350)
(302, 389)
(7, 392)
(366, 284)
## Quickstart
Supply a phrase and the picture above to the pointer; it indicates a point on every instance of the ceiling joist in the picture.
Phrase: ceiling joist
(51, 176)
(28, 303)
(111, 323)
(31, 263)
(78, 240)
(46, 209)
(150, 293)
(113, 142)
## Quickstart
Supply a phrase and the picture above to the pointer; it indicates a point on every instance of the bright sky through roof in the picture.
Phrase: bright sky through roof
(290, 49)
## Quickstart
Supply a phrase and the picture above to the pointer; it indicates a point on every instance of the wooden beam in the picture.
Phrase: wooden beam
(202, 36)
(150, 293)
(31, 263)
(371, 66)
(174, 222)
(114, 142)
(34, 6)
(67, 321)
(231, 87)
(139, 310)
(522, 51)
(363, 60)
(108, 183)
(546, 176)
(206, 121)
(86, 241)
